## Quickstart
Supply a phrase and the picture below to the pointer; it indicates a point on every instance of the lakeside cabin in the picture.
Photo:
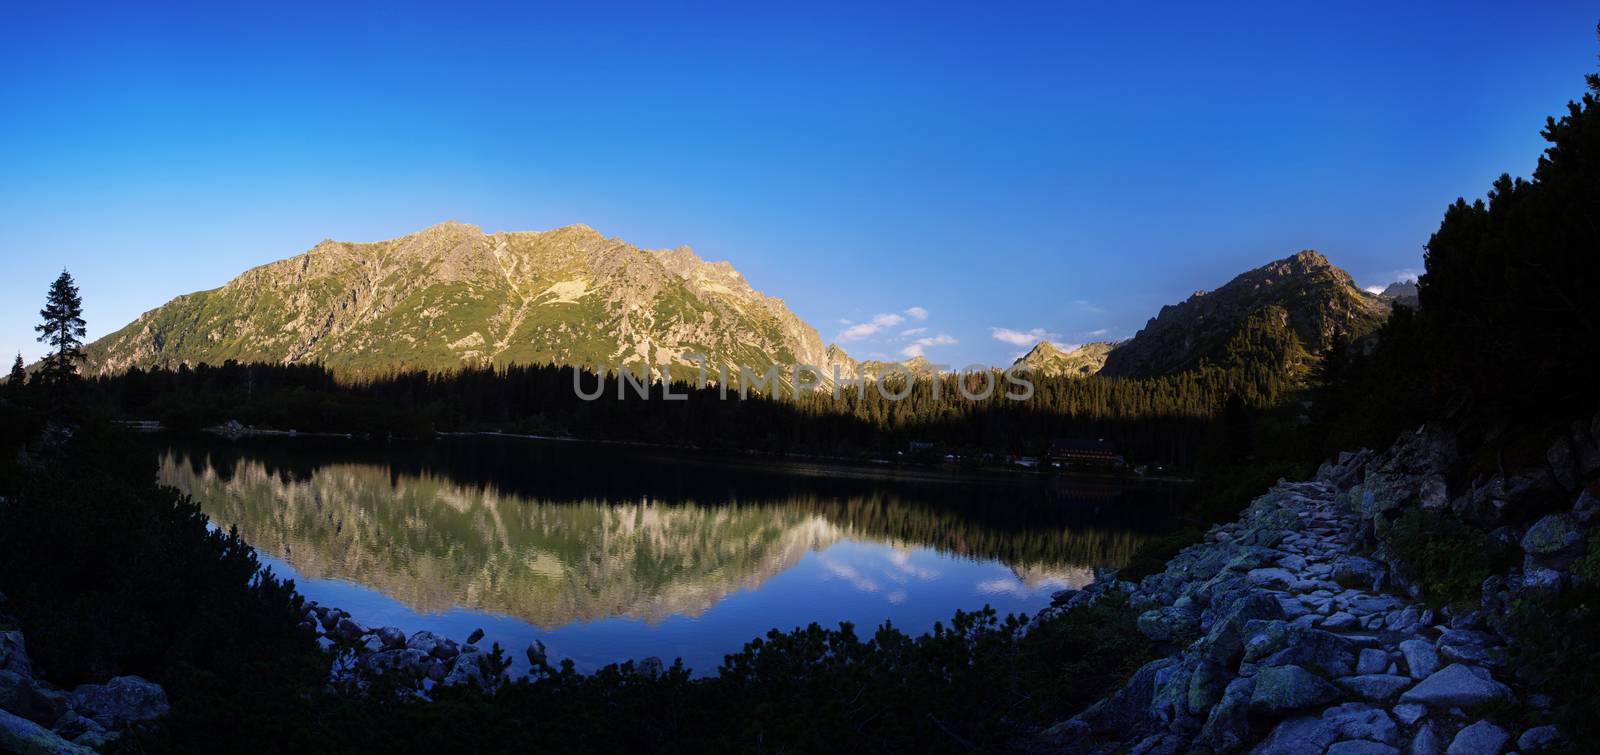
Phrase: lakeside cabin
(1085, 453)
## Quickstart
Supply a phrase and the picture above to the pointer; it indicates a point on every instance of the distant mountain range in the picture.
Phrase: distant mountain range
(451, 296)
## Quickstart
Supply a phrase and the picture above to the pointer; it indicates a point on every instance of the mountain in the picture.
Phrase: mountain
(1316, 300)
(1045, 358)
(1401, 292)
(451, 296)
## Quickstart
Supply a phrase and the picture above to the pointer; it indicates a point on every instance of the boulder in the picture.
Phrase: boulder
(1325, 652)
(30, 698)
(1285, 689)
(1409, 713)
(1421, 658)
(1586, 510)
(477, 634)
(1225, 642)
(1361, 747)
(14, 653)
(1168, 622)
(1124, 709)
(349, 629)
(1481, 738)
(651, 667)
(392, 637)
(1554, 535)
(1426, 741)
(1537, 583)
(1378, 688)
(425, 641)
(1271, 577)
(1362, 721)
(1295, 736)
(19, 735)
(1228, 725)
(120, 701)
(1371, 661)
(1457, 686)
(1540, 738)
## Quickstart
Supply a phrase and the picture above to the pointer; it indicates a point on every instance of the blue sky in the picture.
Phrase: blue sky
(1061, 169)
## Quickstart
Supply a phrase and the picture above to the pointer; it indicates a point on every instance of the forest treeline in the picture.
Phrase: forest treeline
(1168, 420)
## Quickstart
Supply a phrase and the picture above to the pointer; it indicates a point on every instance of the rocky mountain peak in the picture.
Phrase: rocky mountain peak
(1320, 300)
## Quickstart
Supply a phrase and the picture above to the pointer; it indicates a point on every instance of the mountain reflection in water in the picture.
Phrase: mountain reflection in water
(597, 539)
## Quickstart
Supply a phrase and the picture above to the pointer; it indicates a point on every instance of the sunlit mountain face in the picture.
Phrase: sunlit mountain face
(628, 553)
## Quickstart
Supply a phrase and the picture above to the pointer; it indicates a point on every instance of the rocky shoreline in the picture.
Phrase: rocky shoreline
(1282, 637)
(36, 717)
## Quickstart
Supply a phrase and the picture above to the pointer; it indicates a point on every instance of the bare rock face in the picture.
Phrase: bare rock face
(1317, 302)
(452, 296)
(1046, 358)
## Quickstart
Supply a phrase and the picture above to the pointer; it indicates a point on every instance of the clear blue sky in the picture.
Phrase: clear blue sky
(1068, 167)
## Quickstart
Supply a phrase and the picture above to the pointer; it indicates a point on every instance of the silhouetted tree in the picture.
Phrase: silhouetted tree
(18, 374)
(63, 328)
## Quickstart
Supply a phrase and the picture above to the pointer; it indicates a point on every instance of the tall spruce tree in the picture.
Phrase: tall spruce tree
(63, 328)
(19, 373)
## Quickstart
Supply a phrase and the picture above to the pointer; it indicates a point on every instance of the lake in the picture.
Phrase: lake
(607, 552)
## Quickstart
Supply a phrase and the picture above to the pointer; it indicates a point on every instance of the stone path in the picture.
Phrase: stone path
(1290, 644)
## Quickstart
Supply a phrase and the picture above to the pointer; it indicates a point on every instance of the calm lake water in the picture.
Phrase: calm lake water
(607, 553)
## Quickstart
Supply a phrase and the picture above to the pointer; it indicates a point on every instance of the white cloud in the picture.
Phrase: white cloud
(913, 332)
(917, 313)
(1022, 337)
(1097, 333)
(862, 330)
(916, 347)
(1089, 306)
(1374, 289)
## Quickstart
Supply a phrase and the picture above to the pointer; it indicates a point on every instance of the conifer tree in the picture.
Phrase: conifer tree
(63, 329)
(19, 374)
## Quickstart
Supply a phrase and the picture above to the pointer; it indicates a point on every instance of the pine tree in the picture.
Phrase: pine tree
(63, 328)
(18, 375)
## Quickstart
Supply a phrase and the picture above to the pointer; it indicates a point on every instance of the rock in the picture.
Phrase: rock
(1228, 724)
(1372, 661)
(1295, 736)
(446, 650)
(1168, 622)
(1563, 464)
(1457, 686)
(477, 634)
(425, 641)
(1273, 577)
(399, 659)
(1426, 741)
(536, 654)
(1285, 689)
(1225, 642)
(651, 667)
(19, 735)
(1434, 494)
(349, 629)
(467, 668)
(1361, 747)
(1378, 688)
(1481, 738)
(120, 701)
(1586, 510)
(1538, 583)
(1266, 637)
(14, 653)
(1421, 659)
(1355, 571)
(1341, 620)
(1324, 652)
(1553, 536)
(1125, 708)
(1540, 738)
(1410, 713)
(1362, 721)
(30, 698)
(391, 637)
